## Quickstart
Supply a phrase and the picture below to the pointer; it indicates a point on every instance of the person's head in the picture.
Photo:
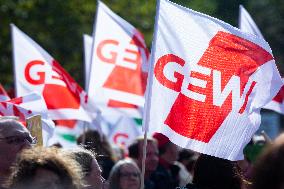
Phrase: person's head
(97, 142)
(152, 153)
(89, 166)
(268, 171)
(167, 150)
(188, 159)
(45, 168)
(14, 137)
(125, 174)
(216, 173)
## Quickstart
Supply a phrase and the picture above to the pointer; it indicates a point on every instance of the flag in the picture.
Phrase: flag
(247, 24)
(125, 131)
(207, 82)
(117, 59)
(36, 70)
(3, 94)
(27, 106)
(116, 78)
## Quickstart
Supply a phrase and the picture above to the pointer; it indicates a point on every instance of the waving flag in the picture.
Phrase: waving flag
(36, 70)
(27, 106)
(207, 82)
(3, 94)
(116, 76)
(247, 24)
(124, 131)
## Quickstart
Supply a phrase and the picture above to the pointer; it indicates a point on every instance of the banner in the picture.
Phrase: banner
(247, 24)
(207, 82)
(36, 70)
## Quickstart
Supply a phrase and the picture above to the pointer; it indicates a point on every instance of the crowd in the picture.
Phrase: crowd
(94, 165)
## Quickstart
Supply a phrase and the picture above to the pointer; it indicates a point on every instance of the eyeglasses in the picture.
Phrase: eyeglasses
(16, 140)
(128, 175)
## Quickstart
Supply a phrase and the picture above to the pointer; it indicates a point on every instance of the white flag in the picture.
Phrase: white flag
(36, 70)
(116, 77)
(207, 82)
(124, 132)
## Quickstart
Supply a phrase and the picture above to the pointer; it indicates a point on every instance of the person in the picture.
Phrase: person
(166, 175)
(14, 137)
(268, 171)
(96, 142)
(216, 173)
(125, 174)
(135, 151)
(45, 168)
(89, 166)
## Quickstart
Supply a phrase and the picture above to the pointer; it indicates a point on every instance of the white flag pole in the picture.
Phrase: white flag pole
(143, 160)
(12, 27)
(148, 94)
(93, 46)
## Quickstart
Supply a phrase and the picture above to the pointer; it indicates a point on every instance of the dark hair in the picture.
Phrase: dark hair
(96, 142)
(268, 171)
(185, 154)
(51, 159)
(216, 173)
(134, 148)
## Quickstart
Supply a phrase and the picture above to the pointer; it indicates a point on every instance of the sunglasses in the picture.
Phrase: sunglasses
(16, 140)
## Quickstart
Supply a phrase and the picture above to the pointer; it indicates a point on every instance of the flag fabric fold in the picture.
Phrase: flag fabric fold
(207, 82)
(247, 24)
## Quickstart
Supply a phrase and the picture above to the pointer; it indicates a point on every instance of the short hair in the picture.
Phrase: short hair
(84, 158)
(268, 171)
(216, 173)
(30, 160)
(133, 148)
(114, 176)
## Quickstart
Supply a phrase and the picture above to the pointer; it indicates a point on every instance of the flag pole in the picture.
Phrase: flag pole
(148, 95)
(84, 134)
(143, 160)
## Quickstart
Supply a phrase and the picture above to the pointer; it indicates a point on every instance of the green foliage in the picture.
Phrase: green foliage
(58, 25)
